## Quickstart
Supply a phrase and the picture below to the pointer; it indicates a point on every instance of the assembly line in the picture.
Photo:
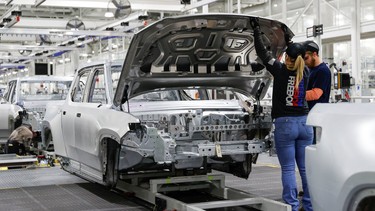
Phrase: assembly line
(187, 105)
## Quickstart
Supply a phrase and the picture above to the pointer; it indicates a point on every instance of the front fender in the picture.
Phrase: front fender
(52, 122)
(107, 124)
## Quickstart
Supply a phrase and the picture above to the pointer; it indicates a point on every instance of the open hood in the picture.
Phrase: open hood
(206, 50)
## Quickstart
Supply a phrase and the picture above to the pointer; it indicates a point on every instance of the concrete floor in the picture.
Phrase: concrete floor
(54, 189)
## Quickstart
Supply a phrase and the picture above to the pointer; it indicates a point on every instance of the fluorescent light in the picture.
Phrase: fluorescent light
(109, 14)
(369, 17)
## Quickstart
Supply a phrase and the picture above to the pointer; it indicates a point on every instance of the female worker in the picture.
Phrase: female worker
(289, 113)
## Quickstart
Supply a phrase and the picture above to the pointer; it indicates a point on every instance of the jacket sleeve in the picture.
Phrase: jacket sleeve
(313, 94)
(262, 52)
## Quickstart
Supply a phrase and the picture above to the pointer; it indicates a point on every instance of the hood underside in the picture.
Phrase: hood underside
(206, 51)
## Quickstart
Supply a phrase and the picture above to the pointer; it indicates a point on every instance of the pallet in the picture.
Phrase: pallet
(156, 192)
(15, 161)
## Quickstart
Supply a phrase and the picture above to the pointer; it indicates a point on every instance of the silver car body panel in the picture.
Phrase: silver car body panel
(341, 164)
(210, 50)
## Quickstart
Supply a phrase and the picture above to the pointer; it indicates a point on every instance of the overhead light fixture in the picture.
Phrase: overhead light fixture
(185, 2)
(109, 14)
(11, 16)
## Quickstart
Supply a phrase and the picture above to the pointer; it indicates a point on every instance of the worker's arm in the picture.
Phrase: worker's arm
(313, 94)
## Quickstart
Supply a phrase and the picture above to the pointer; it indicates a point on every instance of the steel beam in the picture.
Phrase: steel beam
(9, 12)
(167, 5)
(303, 12)
(17, 58)
(34, 47)
(39, 2)
(131, 17)
(355, 42)
(198, 4)
(48, 23)
(7, 2)
(60, 32)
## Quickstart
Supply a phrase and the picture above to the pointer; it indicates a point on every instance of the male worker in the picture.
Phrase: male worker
(319, 86)
(19, 139)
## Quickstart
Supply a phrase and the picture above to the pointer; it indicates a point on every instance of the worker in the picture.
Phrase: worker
(19, 140)
(289, 113)
(319, 86)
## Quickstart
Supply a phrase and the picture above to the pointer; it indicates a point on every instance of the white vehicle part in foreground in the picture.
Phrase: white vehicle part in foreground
(341, 165)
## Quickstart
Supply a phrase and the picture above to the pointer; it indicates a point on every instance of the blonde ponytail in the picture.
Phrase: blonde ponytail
(299, 66)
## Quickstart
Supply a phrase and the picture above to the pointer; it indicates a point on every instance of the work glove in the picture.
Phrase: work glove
(287, 39)
(254, 22)
(256, 67)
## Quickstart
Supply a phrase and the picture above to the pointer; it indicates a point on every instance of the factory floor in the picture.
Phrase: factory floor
(52, 188)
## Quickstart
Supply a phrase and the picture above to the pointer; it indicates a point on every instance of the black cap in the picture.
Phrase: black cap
(295, 49)
(311, 46)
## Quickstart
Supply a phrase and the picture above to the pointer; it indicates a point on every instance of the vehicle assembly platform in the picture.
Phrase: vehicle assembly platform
(54, 189)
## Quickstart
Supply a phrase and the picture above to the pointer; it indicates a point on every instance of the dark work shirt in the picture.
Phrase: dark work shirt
(320, 77)
(286, 99)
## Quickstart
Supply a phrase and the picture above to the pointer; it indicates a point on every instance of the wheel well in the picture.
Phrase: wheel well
(108, 144)
(47, 137)
(110, 160)
(367, 204)
(364, 200)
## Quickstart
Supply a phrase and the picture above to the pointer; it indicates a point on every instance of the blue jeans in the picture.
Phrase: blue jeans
(292, 135)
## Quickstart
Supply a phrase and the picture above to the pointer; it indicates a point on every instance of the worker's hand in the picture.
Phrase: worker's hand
(287, 38)
(288, 41)
(256, 67)
(254, 22)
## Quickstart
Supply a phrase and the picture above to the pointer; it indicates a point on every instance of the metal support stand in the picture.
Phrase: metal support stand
(155, 192)
(13, 160)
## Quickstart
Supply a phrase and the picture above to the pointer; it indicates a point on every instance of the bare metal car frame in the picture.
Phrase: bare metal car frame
(160, 135)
